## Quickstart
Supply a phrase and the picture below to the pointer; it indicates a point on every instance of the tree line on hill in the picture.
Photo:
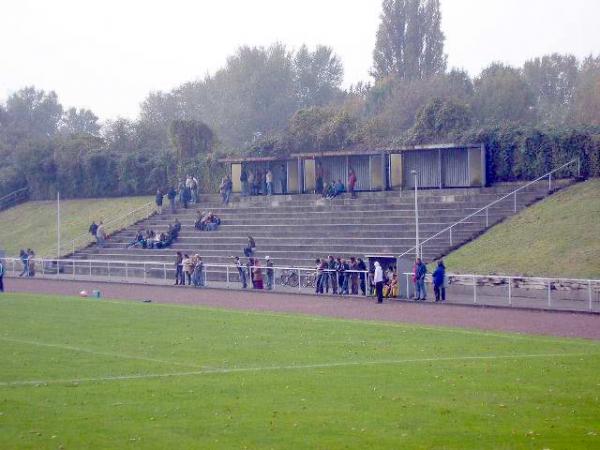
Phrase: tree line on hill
(274, 100)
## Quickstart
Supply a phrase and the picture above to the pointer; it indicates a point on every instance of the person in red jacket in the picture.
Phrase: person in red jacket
(351, 183)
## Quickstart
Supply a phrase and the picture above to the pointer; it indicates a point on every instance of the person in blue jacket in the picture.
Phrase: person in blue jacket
(439, 275)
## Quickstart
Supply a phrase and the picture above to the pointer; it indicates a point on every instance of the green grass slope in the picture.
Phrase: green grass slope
(559, 236)
(82, 373)
(33, 224)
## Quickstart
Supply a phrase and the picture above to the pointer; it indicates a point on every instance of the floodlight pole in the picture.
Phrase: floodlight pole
(58, 225)
(417, 246)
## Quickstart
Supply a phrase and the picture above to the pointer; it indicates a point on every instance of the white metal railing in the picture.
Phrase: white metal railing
(110, 226)
(157, 272)
(14, 198)
(503, 290)
(486, 208)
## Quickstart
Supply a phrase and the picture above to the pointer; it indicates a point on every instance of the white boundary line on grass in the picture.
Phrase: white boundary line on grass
(94, 352)
(209, 371)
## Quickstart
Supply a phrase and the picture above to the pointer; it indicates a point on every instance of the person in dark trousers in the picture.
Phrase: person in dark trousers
(319, 281)
(283, 180)
(362, 267)
(159, 200)
(92, 229)
(241, 272)
(244, 181)
(249, 250)
(24, 257)
(378, 279)
(439, 275)
(270, 273)
(179, 280)
(332, 274)
(351, 183)
(1, 276)
(172, 195)
(420, 270)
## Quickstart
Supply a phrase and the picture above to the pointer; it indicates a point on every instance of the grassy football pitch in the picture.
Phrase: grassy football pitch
(83, 373)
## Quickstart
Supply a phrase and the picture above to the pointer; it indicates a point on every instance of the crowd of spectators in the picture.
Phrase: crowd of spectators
(151, 240)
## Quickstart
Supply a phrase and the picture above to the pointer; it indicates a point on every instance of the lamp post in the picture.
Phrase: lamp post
(417, 246)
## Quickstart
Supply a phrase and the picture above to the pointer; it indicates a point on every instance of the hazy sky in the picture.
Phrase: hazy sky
(107, 55)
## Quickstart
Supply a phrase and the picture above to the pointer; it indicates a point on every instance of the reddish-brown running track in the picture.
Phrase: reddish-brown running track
(482, 318)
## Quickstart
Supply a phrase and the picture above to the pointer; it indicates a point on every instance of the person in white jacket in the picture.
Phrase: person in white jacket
(378, 280)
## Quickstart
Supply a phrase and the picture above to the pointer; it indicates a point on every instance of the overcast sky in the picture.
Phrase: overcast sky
(107, 55)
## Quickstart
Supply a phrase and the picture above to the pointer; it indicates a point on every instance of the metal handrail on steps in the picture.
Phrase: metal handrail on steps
(126, 219)
(11, 199)
(487, 207)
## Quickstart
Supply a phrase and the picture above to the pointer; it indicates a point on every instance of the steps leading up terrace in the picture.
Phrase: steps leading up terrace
(294, 230)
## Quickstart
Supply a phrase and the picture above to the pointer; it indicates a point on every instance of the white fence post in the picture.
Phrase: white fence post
(227, 275)
(300, 281)
(487, 217)
(165, 273)
(549, 294)
(108, 267)
(451, 236)
(73, 268)
(474, 290)
(590, 306)
(509, 291)
(144, 270)
(515, 202)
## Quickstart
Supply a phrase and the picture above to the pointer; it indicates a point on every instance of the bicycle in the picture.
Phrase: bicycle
(288, 278)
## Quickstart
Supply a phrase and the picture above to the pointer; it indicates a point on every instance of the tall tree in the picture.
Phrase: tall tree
(79, 121)
(586, 104)
(319, 75)
(552, 79)
(410, 42)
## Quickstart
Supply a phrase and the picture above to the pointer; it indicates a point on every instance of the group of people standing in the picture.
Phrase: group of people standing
(439, 281)
(343, 276)
(252, 271)
(259, 182)
(27, 258)
(189, 269)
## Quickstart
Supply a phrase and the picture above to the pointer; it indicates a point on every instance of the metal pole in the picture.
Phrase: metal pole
(474, 290)
(509, 291)
(57, 225)
(108, 266)
(227, 275)
(487, 217)
(165, 272)
(450, 236)
(515, 203)
(73, 268)
(300, 281)
(126, 271)
(414, 172)
(90, 268)
(590, 306)
(549, 294)
(407, 287)
(550, 182)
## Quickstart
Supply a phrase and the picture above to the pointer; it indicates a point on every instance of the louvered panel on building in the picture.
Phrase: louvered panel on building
(360, 164)
(333, 168)
(455, 163)
(427, 165)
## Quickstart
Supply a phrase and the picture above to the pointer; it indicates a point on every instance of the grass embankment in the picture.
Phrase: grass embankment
(33, 224)
(558, 237)
(82, 373)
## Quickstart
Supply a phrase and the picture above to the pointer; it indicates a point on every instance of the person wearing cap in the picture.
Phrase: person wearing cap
(378, 279)
(270, 273)
(241, 272)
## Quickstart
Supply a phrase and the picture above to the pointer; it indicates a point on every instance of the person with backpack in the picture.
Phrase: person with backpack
(1, 276)
(439, 281)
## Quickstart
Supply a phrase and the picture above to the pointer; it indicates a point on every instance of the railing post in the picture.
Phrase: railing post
(451, 237)
(549, 294)
(144, 270)
(165, 272)
(300, 281)
(474, 289)
(108, 268)
(126, 271)
(590, 306)
(550, 182)
(90, 268)
(205, 273)
(509, 291)
(73, 268)
(227, 275)
(487, 217)
(73, 252)
(515, 202)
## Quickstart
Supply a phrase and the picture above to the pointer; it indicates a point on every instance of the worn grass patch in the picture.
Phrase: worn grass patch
(558, 237)
(33, 224)
(87, 373)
